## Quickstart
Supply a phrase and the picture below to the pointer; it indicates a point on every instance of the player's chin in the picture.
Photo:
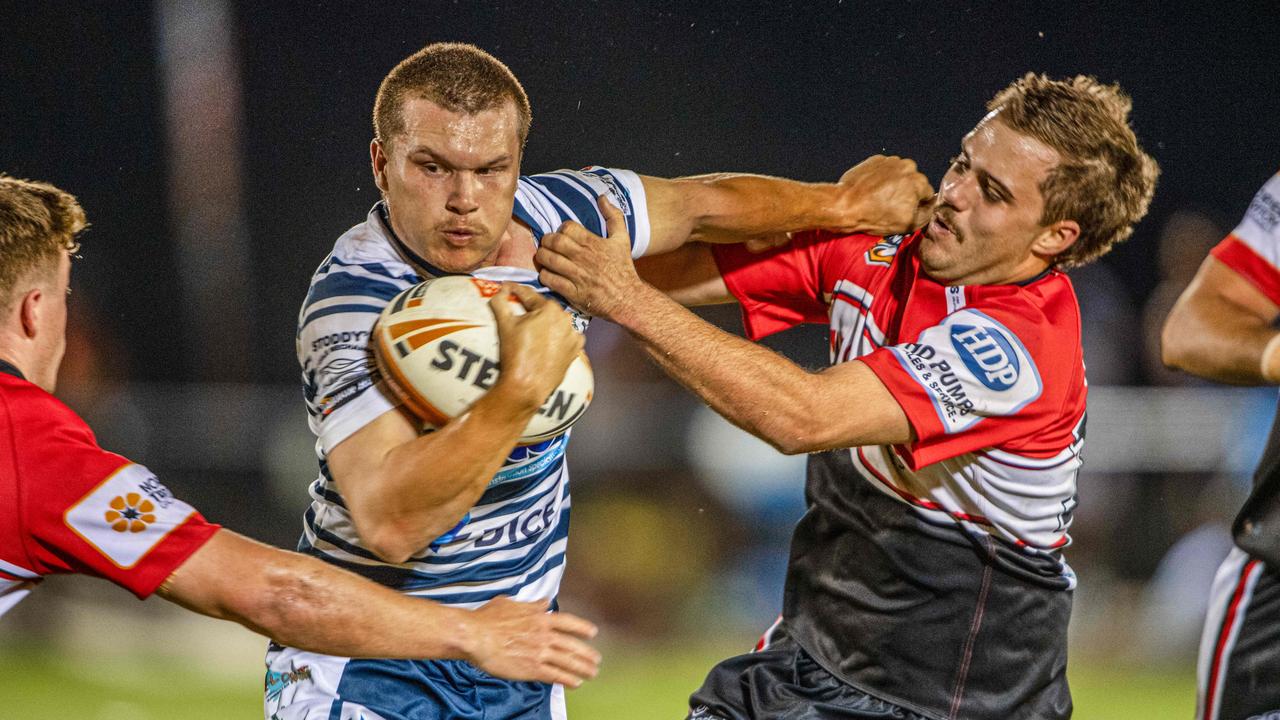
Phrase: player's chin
(459, 259)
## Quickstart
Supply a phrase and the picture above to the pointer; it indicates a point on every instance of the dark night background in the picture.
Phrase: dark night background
(799, 89)
(208, 220)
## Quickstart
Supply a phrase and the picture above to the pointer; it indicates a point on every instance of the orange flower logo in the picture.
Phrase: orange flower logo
(130, 513)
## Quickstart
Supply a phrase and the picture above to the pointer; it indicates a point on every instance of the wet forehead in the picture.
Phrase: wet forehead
(465, 137)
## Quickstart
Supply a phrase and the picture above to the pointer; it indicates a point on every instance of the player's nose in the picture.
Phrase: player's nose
(463, 192)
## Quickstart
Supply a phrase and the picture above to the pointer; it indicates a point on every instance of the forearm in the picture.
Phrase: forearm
(308, 605)
(424, 487)
(754, 388)
(733, 208)
(302, 602)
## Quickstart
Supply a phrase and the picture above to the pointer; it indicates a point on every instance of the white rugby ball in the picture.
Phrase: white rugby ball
(436, 345)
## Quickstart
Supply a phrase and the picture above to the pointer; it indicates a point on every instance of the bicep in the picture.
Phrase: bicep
(688, 275)
(1219, 326)
(671, 218)
(360, 457)
(857, 408)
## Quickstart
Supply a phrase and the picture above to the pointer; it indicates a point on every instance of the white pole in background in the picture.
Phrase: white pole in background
(203, 123)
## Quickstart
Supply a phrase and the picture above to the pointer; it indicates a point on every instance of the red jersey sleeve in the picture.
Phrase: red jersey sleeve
(985, 376)
(88, 510)
(1253, 249)
(780, 288)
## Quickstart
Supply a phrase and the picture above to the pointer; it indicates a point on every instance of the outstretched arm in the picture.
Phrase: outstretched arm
(304, 603)
(882, 196)
(758, 390)
(1222, 328)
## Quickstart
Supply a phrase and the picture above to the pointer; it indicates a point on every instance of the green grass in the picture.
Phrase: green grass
(633, 685)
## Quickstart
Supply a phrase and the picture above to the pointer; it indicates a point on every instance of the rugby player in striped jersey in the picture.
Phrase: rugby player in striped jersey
(1223, 327)
(458, 513)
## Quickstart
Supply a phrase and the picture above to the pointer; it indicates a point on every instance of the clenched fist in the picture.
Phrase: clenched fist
(884, 195)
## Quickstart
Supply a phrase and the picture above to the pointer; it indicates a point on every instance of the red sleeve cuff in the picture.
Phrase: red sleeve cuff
(169, 555)
(913, 400)
(1244, 260)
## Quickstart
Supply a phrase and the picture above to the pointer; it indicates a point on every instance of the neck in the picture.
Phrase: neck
(10, 366)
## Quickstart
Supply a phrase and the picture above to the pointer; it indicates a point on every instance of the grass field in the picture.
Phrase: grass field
(633, 685)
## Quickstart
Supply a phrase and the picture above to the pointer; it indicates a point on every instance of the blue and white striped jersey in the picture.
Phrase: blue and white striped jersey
(513, 541)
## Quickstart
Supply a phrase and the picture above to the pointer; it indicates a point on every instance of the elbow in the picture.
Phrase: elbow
(791, 431)
(395, 540)
(390, 543)
(287, 590)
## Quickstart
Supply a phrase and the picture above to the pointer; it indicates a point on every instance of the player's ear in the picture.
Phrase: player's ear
(1056, 239)
(378, 159)
(29, 309)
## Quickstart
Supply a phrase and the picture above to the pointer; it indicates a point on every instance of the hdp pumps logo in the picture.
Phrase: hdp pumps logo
(987, 354)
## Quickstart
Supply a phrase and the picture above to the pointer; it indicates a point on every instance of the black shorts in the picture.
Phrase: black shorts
(1239, 668)
(782, 682)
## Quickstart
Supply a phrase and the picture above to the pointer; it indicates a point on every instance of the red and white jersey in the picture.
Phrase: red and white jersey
(991, 378)
(71, 507)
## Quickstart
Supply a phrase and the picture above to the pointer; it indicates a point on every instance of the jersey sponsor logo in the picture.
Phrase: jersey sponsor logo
(127, 515)
(882, 253)
(987, 354)
(528, 524)
(527, 461)
(130, 513)
(1265, 208)
(972, 367)
(487, 288)
(616, 194)
(338, 340)
(276, 682)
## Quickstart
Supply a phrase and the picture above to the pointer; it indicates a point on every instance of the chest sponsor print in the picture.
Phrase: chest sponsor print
(972, 367)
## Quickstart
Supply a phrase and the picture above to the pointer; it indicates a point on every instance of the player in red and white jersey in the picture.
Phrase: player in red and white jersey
(1223, 327)
(68, 506)
(927, 578)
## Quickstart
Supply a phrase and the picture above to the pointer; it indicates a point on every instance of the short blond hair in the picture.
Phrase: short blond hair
(1104, 181)
(457, 77)
(38, 223)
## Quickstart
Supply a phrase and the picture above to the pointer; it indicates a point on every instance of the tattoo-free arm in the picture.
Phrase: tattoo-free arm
(1221, 328)
(792, 409)
(882, 195)
(305, 603)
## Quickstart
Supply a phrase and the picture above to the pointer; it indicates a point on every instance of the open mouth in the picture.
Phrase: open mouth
(939, 224)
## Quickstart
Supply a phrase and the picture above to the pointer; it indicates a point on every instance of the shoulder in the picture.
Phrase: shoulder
(367, 246)
(31, 408)
(363, 272)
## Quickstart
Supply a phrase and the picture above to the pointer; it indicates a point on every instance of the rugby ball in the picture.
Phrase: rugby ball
(436, 345)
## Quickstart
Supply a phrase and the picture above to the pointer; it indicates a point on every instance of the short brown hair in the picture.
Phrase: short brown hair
(457, 77)
(38, 222)
(1104, 180)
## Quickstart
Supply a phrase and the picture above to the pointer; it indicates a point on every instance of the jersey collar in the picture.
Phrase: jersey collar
(419, 263)
(8, 368)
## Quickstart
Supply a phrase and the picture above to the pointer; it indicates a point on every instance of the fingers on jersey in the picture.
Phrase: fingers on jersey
(592, 272)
